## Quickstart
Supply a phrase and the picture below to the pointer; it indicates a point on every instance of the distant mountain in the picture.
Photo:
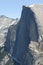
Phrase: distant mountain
(5, 22)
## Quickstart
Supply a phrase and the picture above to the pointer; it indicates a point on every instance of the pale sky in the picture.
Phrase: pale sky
(13, 8)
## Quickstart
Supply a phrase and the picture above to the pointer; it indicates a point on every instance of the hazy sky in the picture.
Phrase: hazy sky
(13, 8)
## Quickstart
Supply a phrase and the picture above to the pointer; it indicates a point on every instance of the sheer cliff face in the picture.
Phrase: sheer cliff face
(28, 16)
(5, 22)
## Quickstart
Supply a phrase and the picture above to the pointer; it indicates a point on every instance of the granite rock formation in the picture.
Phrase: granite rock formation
(35, 52)
(35, 48)
(5, 24)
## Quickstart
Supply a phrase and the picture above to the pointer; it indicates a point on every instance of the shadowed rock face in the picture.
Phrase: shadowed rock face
(23, 39)
(26, 32)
